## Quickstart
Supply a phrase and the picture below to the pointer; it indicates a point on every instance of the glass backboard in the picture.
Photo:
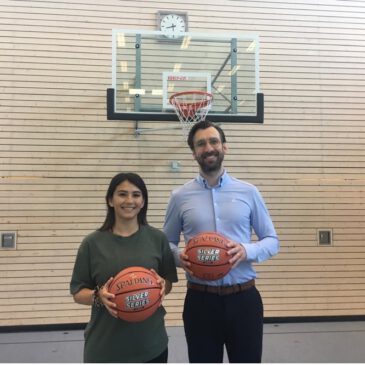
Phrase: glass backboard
(147, 68)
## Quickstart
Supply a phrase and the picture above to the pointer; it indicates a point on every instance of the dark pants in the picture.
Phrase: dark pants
(212, 321)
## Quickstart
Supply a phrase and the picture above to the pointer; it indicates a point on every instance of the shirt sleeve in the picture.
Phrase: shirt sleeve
(268, 242)
(173, 225)
(81, 277)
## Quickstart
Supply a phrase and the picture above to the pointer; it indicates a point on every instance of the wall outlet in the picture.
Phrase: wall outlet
(324, 237)
(8, 240)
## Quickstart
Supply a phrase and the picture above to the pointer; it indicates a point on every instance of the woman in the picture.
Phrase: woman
(125, 239)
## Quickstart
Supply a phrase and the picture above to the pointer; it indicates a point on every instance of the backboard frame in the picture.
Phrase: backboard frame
(167, 114)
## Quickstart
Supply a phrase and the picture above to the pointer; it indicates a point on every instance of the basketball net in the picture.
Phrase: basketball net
(191, 107)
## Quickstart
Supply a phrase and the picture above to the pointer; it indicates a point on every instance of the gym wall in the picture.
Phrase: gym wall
(58, 151)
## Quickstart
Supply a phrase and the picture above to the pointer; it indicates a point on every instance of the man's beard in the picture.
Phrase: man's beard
(208, 168)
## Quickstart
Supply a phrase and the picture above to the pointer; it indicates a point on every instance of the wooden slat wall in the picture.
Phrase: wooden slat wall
(58, 151)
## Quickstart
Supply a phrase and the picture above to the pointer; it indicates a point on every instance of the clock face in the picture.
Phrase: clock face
(173, 26)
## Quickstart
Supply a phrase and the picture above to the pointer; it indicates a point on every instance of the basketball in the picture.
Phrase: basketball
(208, 255)
(137, 293)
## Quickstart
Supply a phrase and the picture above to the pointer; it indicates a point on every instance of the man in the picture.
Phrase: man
(226, 312)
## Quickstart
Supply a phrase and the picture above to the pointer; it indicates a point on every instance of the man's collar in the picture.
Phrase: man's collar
(222, 179)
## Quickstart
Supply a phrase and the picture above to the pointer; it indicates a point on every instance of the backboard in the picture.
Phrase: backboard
(147, 68)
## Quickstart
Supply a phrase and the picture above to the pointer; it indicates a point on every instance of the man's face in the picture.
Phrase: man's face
(208, 150)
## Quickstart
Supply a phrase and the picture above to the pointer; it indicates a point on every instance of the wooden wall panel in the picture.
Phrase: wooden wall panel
(58, 151)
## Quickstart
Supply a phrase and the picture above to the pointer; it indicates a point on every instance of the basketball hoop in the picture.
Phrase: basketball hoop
(191, 107)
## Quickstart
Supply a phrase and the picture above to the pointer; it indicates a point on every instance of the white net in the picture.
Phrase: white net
(191, 107)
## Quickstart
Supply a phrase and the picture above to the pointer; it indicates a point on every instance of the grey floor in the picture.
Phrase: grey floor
(322, 342)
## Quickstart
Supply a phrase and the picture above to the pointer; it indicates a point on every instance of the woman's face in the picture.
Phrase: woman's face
(127, 201)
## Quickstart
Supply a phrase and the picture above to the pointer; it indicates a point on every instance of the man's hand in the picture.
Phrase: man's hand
(237, 252)
(184, 262)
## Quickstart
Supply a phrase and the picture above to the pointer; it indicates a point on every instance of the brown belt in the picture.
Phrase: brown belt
(222, 290)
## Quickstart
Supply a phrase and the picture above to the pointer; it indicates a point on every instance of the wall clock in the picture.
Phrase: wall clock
(172, 24)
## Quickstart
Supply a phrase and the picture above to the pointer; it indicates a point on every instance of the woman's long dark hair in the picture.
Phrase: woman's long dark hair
(116, 180)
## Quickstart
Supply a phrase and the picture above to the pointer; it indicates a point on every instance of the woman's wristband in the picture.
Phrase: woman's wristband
(96, 301)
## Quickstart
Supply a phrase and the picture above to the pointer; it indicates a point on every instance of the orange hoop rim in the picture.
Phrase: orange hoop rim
(196, 104)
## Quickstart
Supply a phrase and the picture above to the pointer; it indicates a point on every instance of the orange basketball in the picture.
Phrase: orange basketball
(137, 293)
(208, 255)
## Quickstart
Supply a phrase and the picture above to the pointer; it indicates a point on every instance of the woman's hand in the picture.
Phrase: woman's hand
(106, 298)
(165, 285)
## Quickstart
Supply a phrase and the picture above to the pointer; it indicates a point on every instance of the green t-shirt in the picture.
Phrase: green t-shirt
(102, 255)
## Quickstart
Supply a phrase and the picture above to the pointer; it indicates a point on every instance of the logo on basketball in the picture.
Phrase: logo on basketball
(208, 255)
(133, 281)
(138, 300)
(209, 237)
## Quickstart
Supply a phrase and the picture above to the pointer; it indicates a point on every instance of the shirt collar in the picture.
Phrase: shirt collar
(222, 180)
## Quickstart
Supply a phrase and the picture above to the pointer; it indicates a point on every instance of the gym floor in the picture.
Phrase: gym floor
(320, 342)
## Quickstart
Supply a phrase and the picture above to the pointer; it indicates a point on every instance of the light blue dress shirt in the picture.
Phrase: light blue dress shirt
(232, 208)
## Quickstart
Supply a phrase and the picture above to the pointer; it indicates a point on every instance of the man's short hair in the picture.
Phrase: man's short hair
(203, 125)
